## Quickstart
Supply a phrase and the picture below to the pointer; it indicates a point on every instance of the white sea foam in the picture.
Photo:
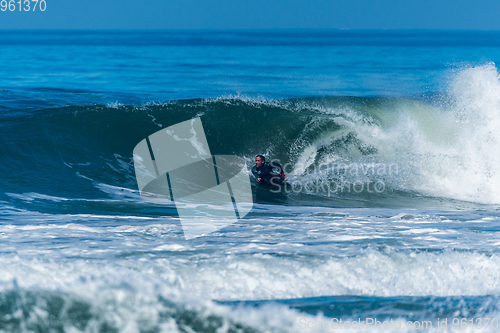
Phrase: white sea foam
(129, 294)
(139, 274)
(260, 276)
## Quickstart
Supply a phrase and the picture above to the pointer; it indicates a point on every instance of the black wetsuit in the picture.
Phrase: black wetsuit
(270, 173)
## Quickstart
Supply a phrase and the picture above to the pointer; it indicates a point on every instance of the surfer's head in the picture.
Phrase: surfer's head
(259, 160)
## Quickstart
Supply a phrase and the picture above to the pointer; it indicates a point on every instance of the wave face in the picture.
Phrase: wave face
(331, 148)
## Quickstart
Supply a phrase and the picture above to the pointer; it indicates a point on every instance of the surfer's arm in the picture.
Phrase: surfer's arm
(256, 175)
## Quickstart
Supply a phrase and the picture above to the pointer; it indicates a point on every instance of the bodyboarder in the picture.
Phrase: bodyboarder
(268, 173)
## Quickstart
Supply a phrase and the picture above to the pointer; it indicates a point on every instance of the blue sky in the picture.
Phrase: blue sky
(257, 14)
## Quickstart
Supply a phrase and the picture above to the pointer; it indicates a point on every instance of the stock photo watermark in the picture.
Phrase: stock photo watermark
(175, 166)
(338, 178)
(23, 5)
(398, 324)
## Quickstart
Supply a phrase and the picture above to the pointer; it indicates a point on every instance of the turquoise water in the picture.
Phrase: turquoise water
(389, 140)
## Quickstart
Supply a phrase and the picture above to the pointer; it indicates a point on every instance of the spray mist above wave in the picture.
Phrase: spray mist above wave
(446, 150)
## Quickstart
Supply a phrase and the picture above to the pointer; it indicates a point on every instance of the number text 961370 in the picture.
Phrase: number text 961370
(23, 5)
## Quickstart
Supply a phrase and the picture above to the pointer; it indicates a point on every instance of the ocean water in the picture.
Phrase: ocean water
(389, 139)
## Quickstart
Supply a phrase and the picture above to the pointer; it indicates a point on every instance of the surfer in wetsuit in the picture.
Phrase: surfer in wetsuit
(268, 173)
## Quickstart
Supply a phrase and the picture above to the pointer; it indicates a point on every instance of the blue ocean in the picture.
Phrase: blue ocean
(390, 141)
